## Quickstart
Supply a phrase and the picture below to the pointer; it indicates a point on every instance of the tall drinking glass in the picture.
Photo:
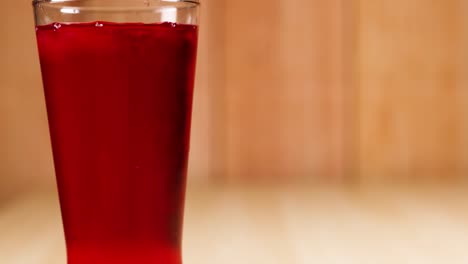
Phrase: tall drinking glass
(118, 79)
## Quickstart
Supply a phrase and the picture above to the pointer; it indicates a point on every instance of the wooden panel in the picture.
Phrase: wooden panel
(207, 138)
(283, 89)
(286, 90)
(25, 156)
(412, 90)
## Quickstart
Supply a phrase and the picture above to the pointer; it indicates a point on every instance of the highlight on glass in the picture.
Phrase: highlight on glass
(118, 79)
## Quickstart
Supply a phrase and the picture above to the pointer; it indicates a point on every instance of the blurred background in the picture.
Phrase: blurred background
(324, 131)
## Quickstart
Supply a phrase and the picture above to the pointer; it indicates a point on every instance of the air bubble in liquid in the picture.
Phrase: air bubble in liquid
(99, 24)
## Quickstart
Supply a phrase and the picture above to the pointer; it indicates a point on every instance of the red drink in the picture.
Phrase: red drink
(119, 100)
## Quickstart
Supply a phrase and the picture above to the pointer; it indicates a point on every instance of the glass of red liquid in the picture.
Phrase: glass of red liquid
(118, 79)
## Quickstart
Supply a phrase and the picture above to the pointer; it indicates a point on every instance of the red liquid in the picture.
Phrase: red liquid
(119, 100)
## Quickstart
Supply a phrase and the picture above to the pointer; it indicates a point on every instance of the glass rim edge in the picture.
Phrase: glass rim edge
(197, 2)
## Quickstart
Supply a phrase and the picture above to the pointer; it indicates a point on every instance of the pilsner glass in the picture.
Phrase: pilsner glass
(118, 79)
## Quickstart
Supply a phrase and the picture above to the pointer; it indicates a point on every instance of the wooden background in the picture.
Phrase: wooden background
(367, 91)
(320, 90)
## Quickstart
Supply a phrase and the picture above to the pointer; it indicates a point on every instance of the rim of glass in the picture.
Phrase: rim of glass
(195, 2)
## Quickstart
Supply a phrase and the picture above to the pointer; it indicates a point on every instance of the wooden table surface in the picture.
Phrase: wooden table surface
(287, 225)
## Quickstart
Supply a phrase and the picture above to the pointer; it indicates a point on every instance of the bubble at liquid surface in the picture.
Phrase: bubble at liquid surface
(57, 26)
(99, 24)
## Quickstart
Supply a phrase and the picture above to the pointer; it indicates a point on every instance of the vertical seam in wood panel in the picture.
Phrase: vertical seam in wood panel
(218, 101)
(350, 71)
(463, 79)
